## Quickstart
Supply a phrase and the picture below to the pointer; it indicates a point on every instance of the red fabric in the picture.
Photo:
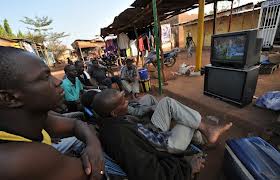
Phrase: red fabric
(141, 44)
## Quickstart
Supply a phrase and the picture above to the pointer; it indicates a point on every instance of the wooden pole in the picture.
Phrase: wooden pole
(161, 53)
(81, 53)
(157, 45)
(200, 34)
(215, 17)
(137, 45)
(230, 17)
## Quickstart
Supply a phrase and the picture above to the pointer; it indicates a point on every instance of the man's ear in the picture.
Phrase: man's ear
(10, 98)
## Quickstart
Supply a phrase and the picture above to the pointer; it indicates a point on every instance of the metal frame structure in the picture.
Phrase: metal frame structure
(269, 22)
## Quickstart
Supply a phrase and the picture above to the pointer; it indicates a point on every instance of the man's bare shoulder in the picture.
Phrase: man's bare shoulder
(35, 161)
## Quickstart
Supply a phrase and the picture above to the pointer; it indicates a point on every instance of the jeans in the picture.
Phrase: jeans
(187, 122)
(143, 106)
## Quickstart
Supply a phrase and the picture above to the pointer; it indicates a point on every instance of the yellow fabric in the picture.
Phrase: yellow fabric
(128, 52)
(11, 137)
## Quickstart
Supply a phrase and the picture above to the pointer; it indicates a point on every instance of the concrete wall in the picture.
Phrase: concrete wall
(178, 31)
(247, 20)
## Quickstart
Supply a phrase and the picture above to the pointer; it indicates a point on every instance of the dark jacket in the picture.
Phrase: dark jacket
(137, 157)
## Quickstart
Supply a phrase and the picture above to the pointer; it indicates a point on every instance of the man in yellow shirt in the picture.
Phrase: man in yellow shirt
(28, 92)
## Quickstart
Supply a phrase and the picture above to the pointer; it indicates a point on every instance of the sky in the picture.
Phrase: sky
(81, 19)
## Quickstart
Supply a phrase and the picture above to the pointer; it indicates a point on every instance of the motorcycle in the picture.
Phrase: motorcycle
(169, 58)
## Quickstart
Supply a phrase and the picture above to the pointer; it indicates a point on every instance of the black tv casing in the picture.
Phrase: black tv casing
(224, 87)
(252, 50)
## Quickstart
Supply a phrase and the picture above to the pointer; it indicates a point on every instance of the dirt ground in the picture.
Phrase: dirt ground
(248, 121)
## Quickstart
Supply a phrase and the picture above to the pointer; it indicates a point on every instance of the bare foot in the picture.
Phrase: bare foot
(214, 132)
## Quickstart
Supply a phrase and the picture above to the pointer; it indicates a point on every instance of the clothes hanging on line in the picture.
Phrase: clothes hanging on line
(123, 41)
(133, 46)
(144, 43)
(111, 45)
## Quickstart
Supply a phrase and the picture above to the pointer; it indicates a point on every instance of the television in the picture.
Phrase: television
(236, 86)
(236, 49)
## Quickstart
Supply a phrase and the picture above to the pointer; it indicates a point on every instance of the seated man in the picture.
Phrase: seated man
(72, 88)
(142, 151)
(28, 92)
(83, 76)
(99, 74)
(129, 77)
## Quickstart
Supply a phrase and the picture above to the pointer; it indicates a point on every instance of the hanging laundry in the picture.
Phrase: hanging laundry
(141, 44)
(123, 41)
(133, 46)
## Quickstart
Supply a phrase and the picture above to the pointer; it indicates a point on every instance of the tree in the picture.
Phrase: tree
(8, 29)
(3, 33)
(55, 44)
(39, 32)
(38, 28)
(20, 35)
(38, 24)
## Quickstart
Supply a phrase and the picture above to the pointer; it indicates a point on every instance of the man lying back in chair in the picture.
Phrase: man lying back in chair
(149, 151)
(27, 93)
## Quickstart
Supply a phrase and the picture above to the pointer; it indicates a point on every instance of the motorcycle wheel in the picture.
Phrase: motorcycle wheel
(170, 62)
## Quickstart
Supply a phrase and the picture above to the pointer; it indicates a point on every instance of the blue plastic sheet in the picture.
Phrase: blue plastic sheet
(270, 100)
(260, 158)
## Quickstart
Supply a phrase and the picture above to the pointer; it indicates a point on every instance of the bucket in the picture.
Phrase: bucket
(143, 73)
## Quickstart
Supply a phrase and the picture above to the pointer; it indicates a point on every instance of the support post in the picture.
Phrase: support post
(137, 45)
(230, 17)
(161, 54)
(81, 53)
(215, 17)
(157, 45)
(200, 35)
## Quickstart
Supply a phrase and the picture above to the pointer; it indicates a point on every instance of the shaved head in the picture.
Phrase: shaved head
(110, 102)
(12, 63)
(105, 102)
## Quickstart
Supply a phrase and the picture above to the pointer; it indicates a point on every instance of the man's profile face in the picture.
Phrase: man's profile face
(40, 91)
(122, 107)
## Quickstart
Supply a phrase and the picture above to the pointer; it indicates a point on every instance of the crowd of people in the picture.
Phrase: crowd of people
(144, 137)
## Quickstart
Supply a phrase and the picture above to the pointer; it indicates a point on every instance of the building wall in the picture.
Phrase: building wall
(247, 20)
(178, 31)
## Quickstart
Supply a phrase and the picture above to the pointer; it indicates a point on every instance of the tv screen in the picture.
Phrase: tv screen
(231, 48)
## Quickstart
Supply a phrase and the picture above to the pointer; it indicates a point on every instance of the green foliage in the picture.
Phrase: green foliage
(36, 38)
(6, 31)
(8, 28)
(38, 24)
(55, 36)
(3, 33)
(20, 35)
(39, 32)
